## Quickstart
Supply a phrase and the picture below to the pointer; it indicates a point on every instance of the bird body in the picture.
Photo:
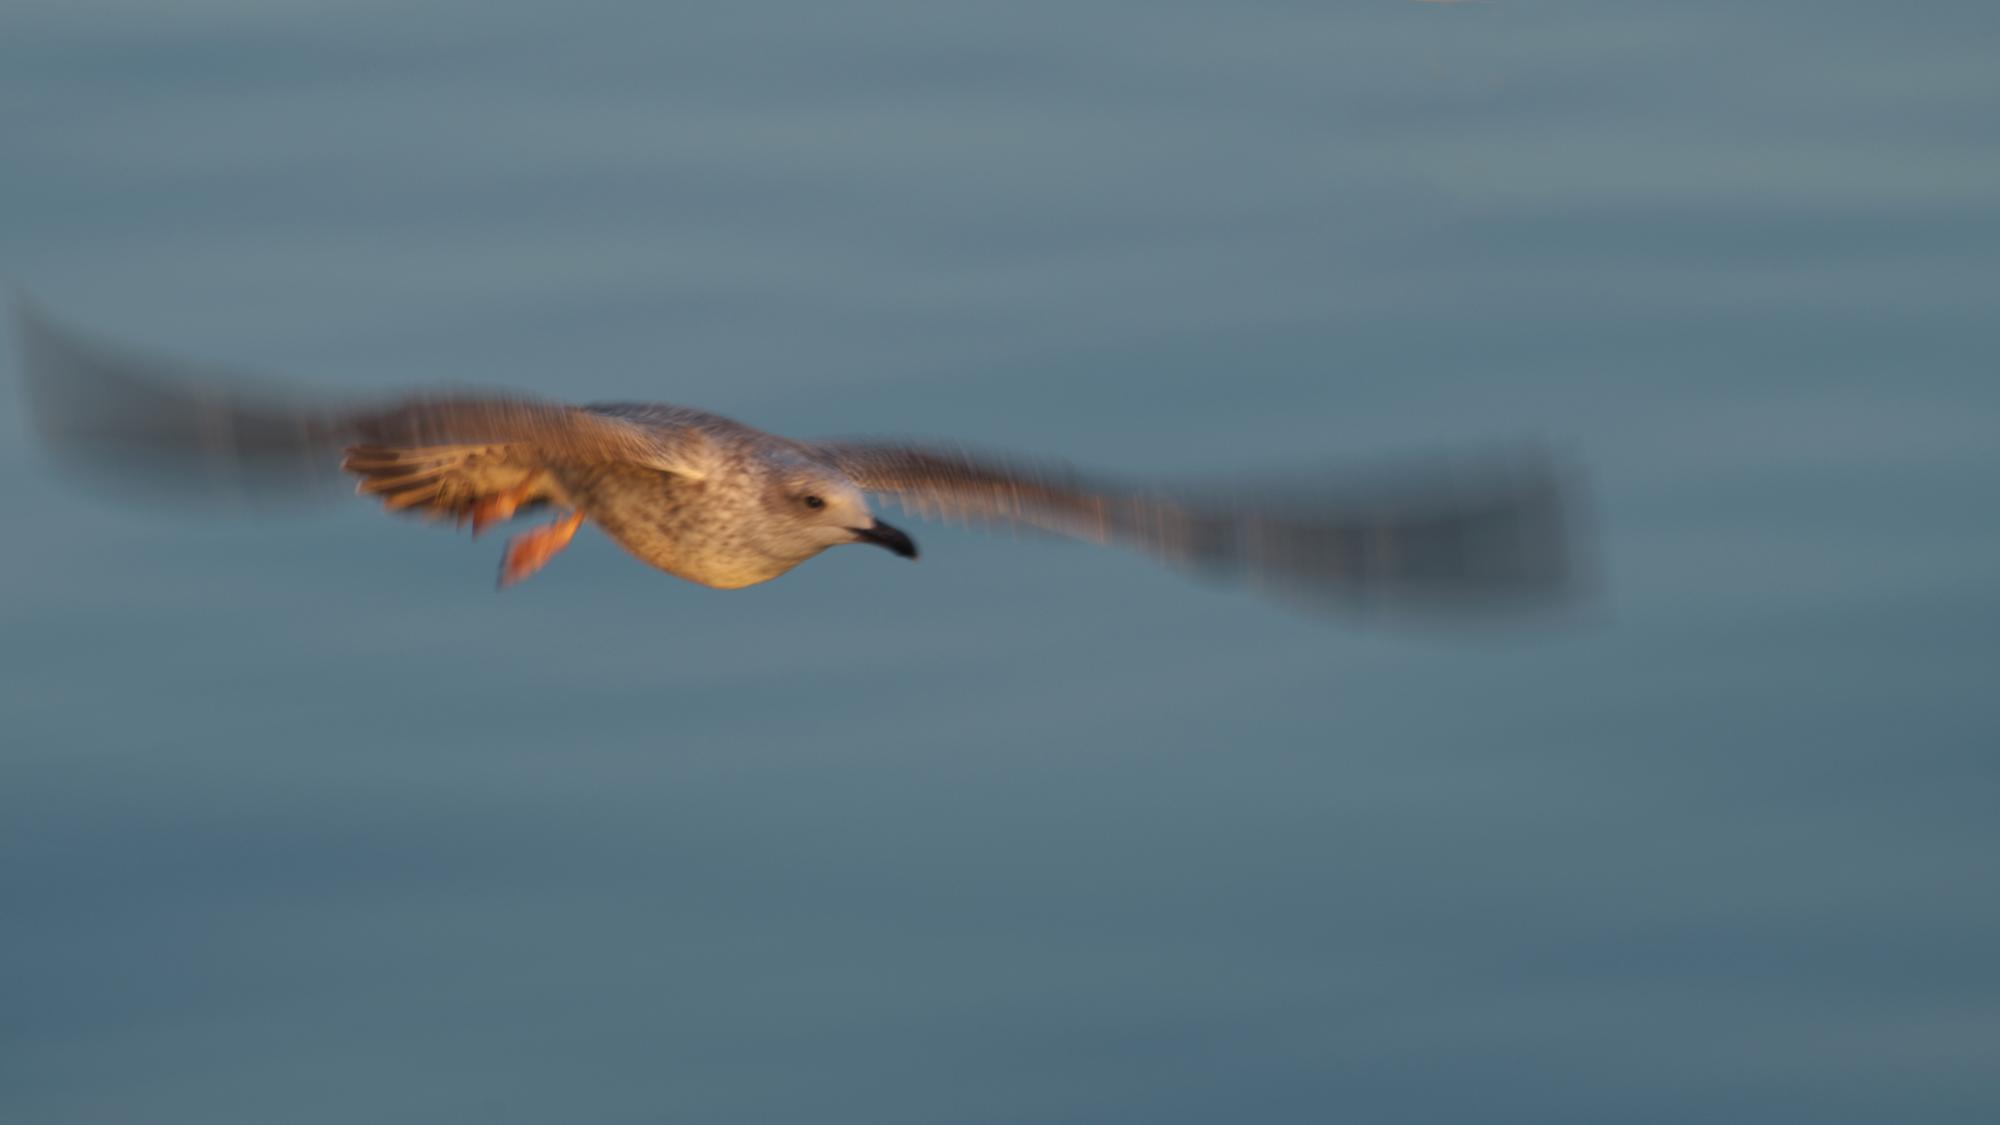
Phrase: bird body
(706, 531)
(723, 504)
(739, 518)
(713, 501)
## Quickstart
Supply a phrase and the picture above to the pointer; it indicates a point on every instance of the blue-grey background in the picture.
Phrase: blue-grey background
(301, 822)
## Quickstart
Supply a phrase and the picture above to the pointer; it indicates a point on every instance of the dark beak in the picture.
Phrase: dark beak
(886, 537)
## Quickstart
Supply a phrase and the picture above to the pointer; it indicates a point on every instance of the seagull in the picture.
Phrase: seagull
(723, 504)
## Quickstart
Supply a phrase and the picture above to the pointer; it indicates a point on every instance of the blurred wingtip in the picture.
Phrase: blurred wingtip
(30, 323)
(35, 328)
(132, 425)
(1499, 536)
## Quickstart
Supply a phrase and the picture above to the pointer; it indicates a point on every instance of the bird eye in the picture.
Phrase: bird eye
(815, 502)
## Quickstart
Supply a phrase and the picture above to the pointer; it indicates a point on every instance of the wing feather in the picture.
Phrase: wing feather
(1497, 532)
(146, 420)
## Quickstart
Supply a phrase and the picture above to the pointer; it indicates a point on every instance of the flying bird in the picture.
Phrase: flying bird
(723, 504)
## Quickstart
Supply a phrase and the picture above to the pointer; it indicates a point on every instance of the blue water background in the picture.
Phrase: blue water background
(301, 822)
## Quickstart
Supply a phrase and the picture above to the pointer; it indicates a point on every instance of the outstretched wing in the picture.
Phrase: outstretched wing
(1486, 534)
(165, 423)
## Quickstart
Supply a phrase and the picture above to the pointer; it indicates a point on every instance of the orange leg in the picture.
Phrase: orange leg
(489, 510)
(528, 553)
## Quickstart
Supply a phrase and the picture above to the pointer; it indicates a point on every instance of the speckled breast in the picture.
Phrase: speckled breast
(693, 529)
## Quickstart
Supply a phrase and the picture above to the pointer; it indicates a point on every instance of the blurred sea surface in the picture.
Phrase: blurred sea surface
(300, 821)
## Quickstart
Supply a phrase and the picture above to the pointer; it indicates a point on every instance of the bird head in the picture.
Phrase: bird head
(815, 507)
